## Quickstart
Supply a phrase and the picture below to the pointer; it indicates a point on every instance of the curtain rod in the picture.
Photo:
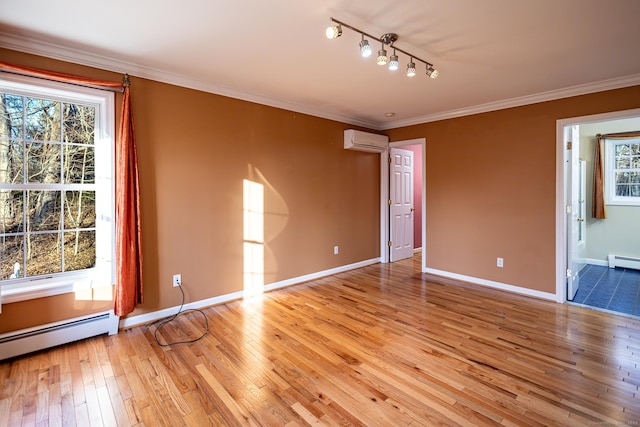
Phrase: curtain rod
(619, 135)
(125, 81)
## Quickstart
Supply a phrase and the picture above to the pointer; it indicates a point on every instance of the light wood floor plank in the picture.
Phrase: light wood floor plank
(5, 412)
(381, 345)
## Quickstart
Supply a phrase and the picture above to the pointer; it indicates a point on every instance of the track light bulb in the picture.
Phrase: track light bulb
(365, 48)
(411, 68)
(334, 31)
(382, 56)
(393, 61)
(432, 72)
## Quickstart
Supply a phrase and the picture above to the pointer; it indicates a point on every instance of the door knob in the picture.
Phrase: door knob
(580, 219)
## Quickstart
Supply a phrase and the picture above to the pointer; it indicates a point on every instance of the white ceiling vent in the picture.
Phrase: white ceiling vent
(365, 141)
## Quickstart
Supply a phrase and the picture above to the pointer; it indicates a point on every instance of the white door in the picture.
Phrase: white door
(575, 210)
(401, 206)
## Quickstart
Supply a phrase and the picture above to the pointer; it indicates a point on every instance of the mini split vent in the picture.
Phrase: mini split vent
(365, 141)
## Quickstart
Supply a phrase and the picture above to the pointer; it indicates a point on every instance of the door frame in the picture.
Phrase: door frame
(384, 197)
(561, 183)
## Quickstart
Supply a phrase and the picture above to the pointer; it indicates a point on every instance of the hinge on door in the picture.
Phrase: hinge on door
(568, 272)
(389, 159)
(569, 145)
(389, 201)
(389, 243)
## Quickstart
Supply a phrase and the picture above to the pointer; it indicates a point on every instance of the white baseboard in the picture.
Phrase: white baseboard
(127, 322)
(492, 284)
(160, 314)
(603, 263)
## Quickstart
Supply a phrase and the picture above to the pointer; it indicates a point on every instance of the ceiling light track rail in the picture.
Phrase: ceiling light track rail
(387, 39)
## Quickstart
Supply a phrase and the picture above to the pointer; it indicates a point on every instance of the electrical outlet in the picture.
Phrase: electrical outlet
(500, 262)
(335, 250)
(177, 280)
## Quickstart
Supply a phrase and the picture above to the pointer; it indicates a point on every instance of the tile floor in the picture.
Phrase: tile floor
(615, 289)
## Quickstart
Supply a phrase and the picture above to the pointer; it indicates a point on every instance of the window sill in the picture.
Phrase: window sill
(26, 290)
(614, 202)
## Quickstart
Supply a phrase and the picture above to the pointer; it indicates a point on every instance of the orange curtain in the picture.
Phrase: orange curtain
(598, 208)
(128, 232)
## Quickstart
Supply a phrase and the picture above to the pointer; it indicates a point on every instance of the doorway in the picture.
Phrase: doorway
(402, 216)
(568, 234)
(384, 199)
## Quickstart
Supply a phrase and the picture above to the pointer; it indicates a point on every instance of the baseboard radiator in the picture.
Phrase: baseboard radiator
(624, 261)
(53, 334)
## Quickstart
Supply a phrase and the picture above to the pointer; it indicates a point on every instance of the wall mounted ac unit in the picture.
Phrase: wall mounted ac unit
(365, 141)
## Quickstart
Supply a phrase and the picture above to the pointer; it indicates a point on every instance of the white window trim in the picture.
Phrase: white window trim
(104, 272)
(609, 176)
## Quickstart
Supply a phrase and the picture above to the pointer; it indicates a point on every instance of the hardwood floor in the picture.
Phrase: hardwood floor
(381, 345)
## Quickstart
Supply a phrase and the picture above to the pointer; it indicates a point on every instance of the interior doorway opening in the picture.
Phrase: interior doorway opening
(566, 216)
(384, 199)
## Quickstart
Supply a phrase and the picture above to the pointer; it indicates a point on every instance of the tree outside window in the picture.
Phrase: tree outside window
(623, 171)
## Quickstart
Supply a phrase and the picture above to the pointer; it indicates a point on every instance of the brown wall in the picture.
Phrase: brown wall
(490, 192)
(490, 188)
(194, 151)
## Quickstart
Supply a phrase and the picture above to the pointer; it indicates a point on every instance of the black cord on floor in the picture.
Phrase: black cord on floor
(165, 320)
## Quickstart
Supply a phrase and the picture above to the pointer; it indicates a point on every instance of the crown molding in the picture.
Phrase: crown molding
(80, 57)
(584, 89)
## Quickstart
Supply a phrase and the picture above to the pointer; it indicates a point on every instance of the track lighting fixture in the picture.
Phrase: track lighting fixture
(335, 30)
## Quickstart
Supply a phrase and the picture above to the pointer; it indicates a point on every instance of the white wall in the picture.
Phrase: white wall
(620, 233)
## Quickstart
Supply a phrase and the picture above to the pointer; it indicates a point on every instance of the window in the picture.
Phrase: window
(622, 166)
(56, 187)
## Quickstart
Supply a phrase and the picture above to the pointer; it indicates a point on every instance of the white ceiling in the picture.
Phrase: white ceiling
(490, 54)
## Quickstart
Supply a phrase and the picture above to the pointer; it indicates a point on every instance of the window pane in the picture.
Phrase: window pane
(623, 163)
(79, 164)
(43, 120)
(12, 151)
(622, 190)
(79, 250)
(11, 253)
(44, 255)
(79, 123)
(43, 163)
(635, 162)
(44, 210)
(11, 211)
(635, 149)
(622, 150)
(11, 114)
(634, 190)
(80, 209)
(622, 177)
(634, 177)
